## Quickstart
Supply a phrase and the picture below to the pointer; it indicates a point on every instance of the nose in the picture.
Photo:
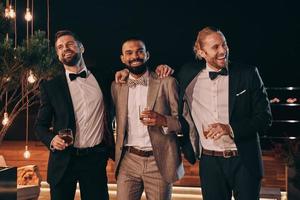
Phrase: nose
(65, 47)
(222, 50)
(135, 55)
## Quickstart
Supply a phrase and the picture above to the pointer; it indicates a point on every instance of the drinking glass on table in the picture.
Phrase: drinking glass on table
(67, 135)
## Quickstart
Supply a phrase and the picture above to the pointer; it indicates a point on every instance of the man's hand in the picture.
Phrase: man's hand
(151, 118)
(58, 144)
(163, 71)
(217, 130)
(121, 76)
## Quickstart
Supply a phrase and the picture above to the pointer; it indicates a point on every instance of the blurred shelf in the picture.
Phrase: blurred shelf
(283, 88)
(285, 104)
(286, 121)
(280, 137)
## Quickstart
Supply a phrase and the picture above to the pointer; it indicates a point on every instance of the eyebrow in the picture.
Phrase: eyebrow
(140, 49)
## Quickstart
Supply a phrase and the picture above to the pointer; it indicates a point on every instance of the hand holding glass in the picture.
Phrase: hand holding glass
(67, 135)
(206, 128)
(141, 110)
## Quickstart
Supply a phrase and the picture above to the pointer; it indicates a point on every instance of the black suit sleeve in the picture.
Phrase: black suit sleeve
(258, 117)
(44, 118)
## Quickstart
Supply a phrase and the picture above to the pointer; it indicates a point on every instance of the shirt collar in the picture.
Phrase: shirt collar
(209, 69)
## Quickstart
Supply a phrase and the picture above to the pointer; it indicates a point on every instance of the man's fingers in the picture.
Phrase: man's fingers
(217, 136)
(121, 76)
(59, 143)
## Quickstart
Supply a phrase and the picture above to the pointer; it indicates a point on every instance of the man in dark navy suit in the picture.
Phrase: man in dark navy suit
(76, 99)
(224, 106)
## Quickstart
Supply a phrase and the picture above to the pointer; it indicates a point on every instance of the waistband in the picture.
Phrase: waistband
(85, 151)
(138, 152)
(224, 154)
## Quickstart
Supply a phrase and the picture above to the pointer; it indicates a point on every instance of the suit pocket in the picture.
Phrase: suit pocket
(242, 92)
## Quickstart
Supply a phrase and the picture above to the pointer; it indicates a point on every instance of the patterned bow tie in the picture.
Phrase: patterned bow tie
(132, 83)
(74, 76)
(214, 75)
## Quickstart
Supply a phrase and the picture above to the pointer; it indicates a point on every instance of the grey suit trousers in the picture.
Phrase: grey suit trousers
(138, 173)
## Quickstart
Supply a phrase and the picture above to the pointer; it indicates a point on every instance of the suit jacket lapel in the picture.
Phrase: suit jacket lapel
(154, 84)
(68, 100)
(233, 83)
(123, 109)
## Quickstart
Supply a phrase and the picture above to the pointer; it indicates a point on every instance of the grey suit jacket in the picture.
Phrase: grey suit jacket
(162, 98)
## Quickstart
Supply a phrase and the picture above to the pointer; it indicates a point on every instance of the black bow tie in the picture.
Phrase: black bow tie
(214, 75)
(74, 76)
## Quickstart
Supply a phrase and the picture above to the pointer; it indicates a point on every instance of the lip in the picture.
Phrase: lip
(222, 58)
(68, 55)
(135, 63)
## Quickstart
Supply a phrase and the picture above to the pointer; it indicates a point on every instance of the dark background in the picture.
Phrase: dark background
(262, 33)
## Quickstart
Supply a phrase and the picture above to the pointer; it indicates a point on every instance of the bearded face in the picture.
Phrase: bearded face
(137, 69)
(135, 56)
(70, 58)
(68, 50)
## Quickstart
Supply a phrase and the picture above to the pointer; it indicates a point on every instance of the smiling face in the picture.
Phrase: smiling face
(68, 50)
(214, 50)
(134, 53)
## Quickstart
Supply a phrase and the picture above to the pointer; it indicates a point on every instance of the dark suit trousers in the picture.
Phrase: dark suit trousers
(222, 177)
(90, 171)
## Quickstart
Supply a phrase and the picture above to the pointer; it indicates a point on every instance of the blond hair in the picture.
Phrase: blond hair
(200, 38)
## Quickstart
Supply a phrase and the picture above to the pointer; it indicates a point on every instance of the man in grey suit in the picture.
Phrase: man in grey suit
(147, 151)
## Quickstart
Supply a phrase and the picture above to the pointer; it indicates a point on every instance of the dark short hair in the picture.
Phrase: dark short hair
(132, 38)
(63, 33)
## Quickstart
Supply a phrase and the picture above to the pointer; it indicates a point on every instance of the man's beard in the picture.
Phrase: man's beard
(73, 61)
(137, 70)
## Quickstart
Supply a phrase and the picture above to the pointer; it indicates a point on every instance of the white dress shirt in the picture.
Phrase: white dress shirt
(87, 99)
(138, 135)
(210, 104)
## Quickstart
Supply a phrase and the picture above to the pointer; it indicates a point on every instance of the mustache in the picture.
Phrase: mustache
(67, 51)
(136, 60)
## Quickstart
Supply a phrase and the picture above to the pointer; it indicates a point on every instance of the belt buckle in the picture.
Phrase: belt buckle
(227, 153)
(81, 152)
(78, 152)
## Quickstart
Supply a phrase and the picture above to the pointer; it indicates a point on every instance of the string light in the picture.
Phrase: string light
(31, 78)
(10, 12)
(28, 16)
(26, 153)
(6, 12)
(5, 120)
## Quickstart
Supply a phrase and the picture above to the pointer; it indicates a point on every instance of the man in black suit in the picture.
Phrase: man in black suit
(224, 106)
(76, 99)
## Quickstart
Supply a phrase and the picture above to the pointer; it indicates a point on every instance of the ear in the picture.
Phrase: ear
(122, 58)
(81, 47)
(148, 55)
(201, 53)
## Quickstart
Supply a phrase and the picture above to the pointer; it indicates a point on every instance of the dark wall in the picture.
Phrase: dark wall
(262, 33)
